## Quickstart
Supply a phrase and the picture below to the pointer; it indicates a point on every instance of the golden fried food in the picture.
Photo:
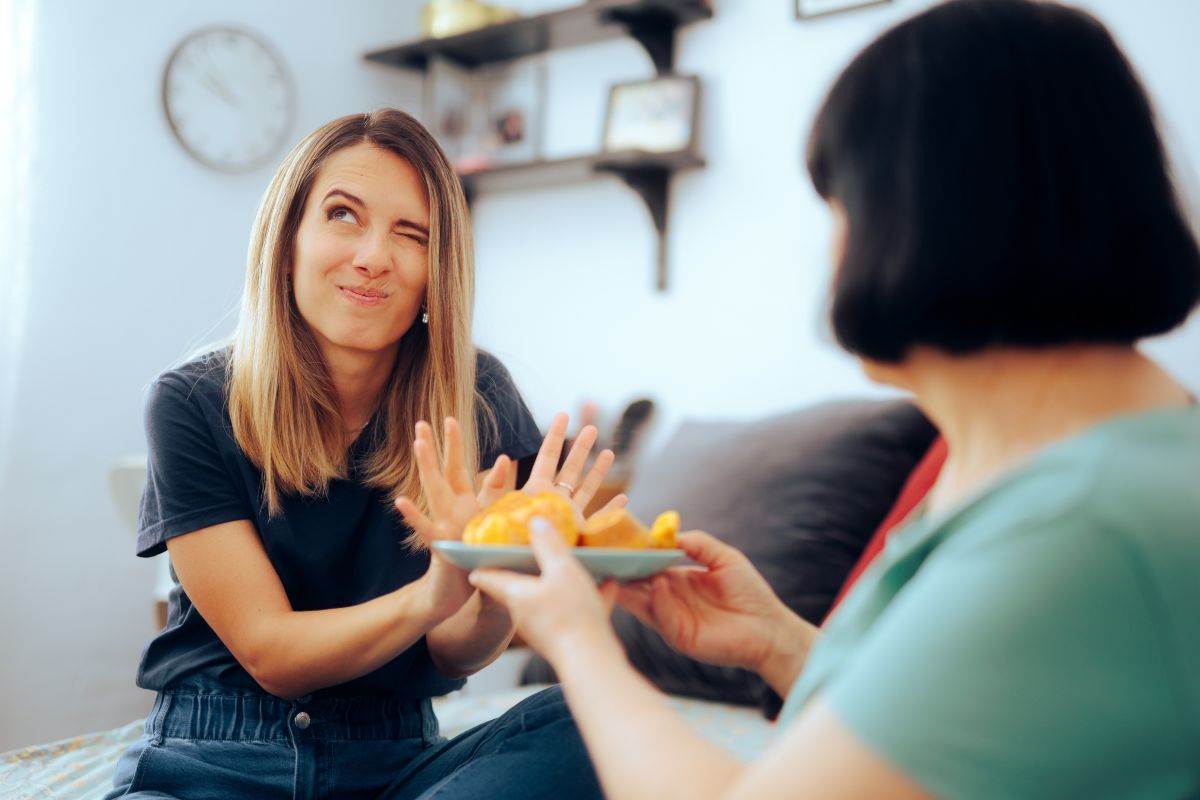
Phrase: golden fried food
(664, 529)
(507, 520)
(619, 528)
(616, 528)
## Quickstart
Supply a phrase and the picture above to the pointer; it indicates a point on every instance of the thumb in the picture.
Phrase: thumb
(706, 549)
(548, 546)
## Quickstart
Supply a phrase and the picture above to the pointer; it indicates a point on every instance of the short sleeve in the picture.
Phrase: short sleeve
(1031, 665)
(188, 486)
(504, 423)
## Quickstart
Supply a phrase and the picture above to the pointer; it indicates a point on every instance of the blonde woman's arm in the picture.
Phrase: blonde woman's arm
(230, 580)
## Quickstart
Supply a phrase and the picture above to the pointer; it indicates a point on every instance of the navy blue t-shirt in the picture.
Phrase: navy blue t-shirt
(338, 550)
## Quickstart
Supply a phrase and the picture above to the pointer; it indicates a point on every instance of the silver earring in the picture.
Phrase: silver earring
(425, 316)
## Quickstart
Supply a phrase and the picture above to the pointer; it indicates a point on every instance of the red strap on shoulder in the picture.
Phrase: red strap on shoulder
(919, 482)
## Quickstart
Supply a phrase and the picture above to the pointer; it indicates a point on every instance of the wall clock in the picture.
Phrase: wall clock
(228, 98)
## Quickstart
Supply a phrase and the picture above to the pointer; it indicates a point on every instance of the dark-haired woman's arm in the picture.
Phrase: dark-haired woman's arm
(640, 747)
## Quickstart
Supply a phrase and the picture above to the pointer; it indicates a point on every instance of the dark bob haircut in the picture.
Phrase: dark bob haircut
(1004, 184)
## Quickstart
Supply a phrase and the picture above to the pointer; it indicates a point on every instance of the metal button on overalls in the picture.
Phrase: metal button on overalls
(302, 720)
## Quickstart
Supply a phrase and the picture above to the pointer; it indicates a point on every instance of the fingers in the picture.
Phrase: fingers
(437, 490)
(635, 598)
(608, 594)
(619, 501)
(501, 585)
(545, 466)
(704, 548)
(572, 468)
(510, 484)
(420, 523)
(495, 482)
(583, 495)
(457, 475)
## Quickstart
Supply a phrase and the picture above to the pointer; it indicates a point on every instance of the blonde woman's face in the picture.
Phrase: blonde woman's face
(360, 268)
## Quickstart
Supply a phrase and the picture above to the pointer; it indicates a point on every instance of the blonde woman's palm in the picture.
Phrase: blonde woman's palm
(453, 500)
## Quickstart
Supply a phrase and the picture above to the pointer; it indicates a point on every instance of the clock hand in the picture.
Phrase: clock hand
(217, 87)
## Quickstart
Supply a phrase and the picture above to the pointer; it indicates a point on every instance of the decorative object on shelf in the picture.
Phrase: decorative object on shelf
(509, 101)
(442, 18)
(652, 23)
(807, 9)
(447, 104)
(653, 116)
(487, 116)
(228, 98)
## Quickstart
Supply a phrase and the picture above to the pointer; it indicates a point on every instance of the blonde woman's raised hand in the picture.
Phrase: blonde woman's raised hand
(449, 486)
(574, 481)
(452, 499)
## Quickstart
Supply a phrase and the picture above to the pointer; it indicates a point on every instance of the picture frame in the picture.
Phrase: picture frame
(509, 104)
(659, 115)
(486, 116)
(811, 9)
(447, 104)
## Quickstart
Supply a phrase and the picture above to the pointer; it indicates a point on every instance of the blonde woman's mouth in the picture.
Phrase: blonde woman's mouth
(362, 296)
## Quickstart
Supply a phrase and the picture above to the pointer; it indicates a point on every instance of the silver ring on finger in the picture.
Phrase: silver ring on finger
(570, 489)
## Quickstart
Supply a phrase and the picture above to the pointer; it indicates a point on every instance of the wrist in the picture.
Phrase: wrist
(578, 653)
(791, 638)
(422, 603)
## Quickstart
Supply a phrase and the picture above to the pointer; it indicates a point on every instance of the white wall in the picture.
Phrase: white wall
(137, 255)
(741, 330)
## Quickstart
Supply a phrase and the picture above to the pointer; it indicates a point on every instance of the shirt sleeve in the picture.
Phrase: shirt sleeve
(188, 486)
(503, 420)
(1034, 665)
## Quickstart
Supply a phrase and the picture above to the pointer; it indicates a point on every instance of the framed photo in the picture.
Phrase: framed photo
(656, 116)
(508, 102)
(486, 116)
(447, 104)
(807, 9)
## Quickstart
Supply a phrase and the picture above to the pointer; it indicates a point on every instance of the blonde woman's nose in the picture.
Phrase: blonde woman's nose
(372, 256)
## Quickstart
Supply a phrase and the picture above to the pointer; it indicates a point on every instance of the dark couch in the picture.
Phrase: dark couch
(800, 494)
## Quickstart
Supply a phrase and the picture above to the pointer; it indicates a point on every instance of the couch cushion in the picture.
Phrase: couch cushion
(919, 482)
(800, 494)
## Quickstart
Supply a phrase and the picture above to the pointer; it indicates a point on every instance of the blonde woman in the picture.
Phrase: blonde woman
(308, 629)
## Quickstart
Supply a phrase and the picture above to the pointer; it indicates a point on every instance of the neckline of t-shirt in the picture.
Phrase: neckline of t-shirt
(927, 525)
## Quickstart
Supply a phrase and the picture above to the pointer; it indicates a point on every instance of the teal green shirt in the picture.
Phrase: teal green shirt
(1043, 639)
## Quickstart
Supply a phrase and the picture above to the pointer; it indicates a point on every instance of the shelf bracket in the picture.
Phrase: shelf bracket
(653, 185)
(654, 31)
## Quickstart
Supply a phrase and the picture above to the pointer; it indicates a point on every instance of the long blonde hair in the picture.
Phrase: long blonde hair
(281, 398)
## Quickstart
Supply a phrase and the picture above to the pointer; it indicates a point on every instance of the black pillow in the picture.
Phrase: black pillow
(800, 494)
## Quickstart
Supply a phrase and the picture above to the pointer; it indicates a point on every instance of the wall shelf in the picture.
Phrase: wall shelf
(652, 23)
(648, 174)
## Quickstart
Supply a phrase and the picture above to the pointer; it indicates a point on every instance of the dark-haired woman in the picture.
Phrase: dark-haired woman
(1007, 234)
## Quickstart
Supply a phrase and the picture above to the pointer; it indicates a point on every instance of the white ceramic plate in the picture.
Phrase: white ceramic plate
(602, 562)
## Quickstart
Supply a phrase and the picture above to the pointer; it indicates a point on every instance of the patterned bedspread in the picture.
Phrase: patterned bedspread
(82, 767)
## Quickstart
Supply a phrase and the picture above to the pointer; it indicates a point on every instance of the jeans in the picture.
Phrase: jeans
(203, 740)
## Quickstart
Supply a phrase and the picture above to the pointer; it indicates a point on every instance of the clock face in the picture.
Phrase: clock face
(228, 99)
